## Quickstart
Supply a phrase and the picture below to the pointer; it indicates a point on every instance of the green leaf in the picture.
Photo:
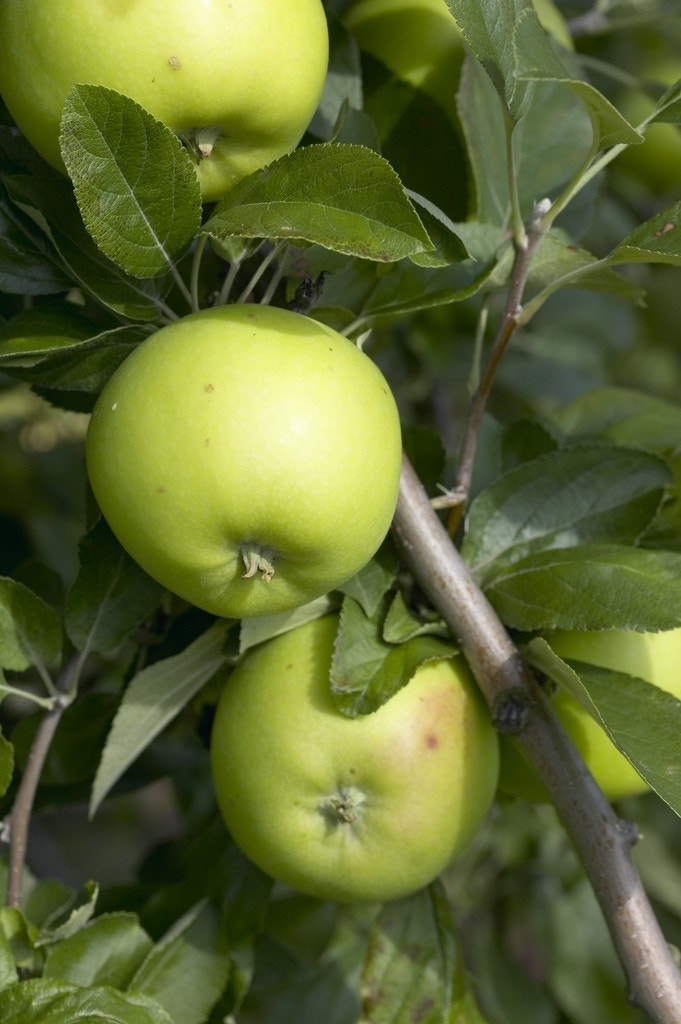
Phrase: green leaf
(79, 913)
(187, 970)
(50, 203)
(44, 1001)
(576, 495)
(111, 595)
(558, 257)
(25, 269)
(58, 348)
(366, 670)
(344, 197)
(592, 586)
(656, 241)
(76, 748)
(41, 331)
(449, 248)
(403, 624)
(106, 951)
(259, 628)
(6, 759)
(641, 719)
(30, 630)
(369, 586)
(412, 971)
(154, 697)
(8, 970)
(19, 935)
(515, 51)
(622, 416)
(135, 184)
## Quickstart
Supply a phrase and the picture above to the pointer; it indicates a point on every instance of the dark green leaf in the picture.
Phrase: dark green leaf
(30, 630)
(622, 416)
(576, 495)
(49, 202)
(6, 761)
(412, 971)
(24, 268)
(593, 586)
(111, 595)
(656, 241)
(136, 186)
(642, 720)
(154, 697)
(346, 198)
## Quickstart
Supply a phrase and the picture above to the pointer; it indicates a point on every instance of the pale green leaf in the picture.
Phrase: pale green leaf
(187, 970)
(45, 1001)
(106, 951)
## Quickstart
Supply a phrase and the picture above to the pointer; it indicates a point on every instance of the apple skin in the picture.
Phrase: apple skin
(239, 429)
(251, 69)
(420, 41)
(368, 809)
(653, 657)
(656, 162)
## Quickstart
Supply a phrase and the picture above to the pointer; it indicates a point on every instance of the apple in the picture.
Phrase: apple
(239, 80)
(364, 809)
(656, 162)
(420, 42)
(653, 657)
(247, 457)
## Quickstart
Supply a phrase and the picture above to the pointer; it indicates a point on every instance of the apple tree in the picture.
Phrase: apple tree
(479, 203)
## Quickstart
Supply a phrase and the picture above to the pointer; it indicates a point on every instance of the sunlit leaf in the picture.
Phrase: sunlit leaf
(346, 198)
(136, 186)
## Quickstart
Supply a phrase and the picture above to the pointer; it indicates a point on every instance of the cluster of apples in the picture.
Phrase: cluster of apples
(248, 458)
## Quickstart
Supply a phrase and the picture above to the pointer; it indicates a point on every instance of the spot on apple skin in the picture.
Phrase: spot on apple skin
(432, 741)
(175, 63)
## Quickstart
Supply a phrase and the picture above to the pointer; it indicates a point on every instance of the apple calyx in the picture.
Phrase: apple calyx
(257, 559)
(202, 140)
(343, 807)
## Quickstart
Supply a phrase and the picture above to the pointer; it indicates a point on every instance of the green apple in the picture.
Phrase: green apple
(350, 809)
(247, 457)
(420, 41)
(239, 80)
(656, 162)
(653, 657)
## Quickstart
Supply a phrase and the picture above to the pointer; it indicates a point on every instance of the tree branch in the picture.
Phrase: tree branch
(517, 704)
(509, 321)
(20, 817)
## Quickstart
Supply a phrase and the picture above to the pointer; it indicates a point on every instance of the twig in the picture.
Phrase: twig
(509, 322)
(517, 704)
(20, 817)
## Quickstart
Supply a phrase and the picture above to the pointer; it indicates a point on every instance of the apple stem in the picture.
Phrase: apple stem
(257, 560)
(202, 140)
